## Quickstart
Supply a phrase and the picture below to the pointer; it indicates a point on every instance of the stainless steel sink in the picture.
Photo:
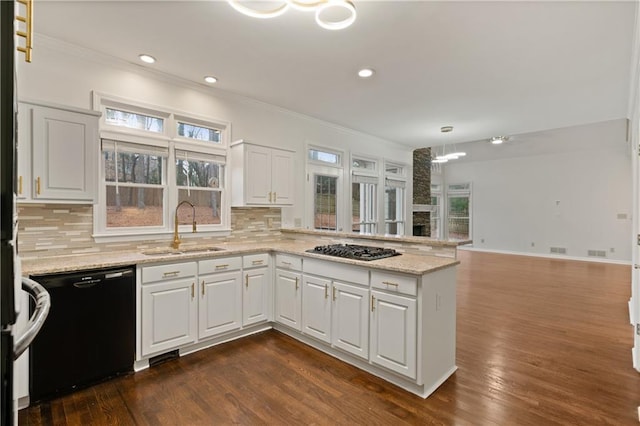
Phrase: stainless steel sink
(167, 251)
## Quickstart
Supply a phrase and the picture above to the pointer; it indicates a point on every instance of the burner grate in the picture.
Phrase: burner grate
(354, 251)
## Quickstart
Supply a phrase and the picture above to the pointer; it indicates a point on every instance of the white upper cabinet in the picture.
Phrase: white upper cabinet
(261, 176)
(57, 154)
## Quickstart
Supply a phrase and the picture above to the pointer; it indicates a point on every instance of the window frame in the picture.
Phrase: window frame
(169, 139)
(436, 192)
(458, 192)
(321, 168)
(401, 205)
(374, 206)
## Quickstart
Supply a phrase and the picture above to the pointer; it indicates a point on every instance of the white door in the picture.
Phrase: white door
(282, 182)
(634, 302)
(258, 175)
(351, 319)
(255, 301)
(220, 307)
(393, 333)
(316, 308)
(64, 149)
(168, 315)
(288, 299)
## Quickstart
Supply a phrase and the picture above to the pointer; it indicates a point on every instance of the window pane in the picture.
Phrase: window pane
(363, 207)
(198, 132)
(393, 169)
(459, 187)
(199, 174)
(361, 164)
(394, 210)
(324, 206)
(324, 156)
(133, 168)
(134, 121)
(132, 206)
(458, 220)
(207, 206)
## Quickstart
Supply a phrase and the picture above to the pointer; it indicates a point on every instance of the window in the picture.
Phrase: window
(364, 196)
(131, 120)
(394, 199)
(135, 184)
(200, 180)
(325, 201)
(458, 211)
(326, 157)
(145, 172)
(436, 201)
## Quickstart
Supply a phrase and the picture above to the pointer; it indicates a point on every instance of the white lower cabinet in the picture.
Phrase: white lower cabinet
(288, 299)
(393, 332)
(316, 307)
(220, 305)
(350, 319)
(169, 315)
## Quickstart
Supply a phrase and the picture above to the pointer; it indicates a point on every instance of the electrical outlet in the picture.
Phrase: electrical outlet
(297, 222)
(612, 250)
(533, 244)
(482, 240)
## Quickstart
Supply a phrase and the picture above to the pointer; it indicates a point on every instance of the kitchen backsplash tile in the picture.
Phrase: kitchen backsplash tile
(52, 230)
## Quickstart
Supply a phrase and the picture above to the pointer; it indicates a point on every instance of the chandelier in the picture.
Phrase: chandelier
(325, 10)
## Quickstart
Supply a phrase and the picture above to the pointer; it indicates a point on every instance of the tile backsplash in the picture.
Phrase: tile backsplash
(63, 229)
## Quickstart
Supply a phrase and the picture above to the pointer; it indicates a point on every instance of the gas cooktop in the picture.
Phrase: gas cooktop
(353, 251)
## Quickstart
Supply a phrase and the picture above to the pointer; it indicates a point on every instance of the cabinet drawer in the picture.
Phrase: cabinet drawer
(395, 283)
(289, 262)
(255, 260)
(337, 271)
(168, 272)
(219, 265)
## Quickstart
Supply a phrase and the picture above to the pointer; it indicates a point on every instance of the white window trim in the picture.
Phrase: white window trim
(445, 201)
(438, 208)
(340, 153)
(406, 205)
(326, 169)
(167, 138)
(372, 174)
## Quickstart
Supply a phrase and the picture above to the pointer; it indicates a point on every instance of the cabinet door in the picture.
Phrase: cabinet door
(393, 333)
(351, 319)
(64, 149)
(316, 308)
(220, 308)
(288, 299)
(258, 175)
(24, 152)
(168, 315)
(282, 177)
(256, 301)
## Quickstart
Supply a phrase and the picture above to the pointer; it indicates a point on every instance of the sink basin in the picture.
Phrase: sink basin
(200, 249)
(164, 251)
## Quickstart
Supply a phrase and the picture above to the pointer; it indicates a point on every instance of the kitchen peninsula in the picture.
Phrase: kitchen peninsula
(393, 317)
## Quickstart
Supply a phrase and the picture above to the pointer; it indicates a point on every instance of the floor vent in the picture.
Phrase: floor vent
(558, 250)
(597, 253)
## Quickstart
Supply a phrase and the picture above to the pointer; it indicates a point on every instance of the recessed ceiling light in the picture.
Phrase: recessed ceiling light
(365, 72)
(446, 129)
(210, 79)
(497, 140)
(147, 58)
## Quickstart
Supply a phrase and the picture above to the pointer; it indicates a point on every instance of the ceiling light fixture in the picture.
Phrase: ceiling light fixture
(210, 79)
(259, 12)
(446, 129)
(365, 72)
(330, 14)
(147, 58)
(497, 140)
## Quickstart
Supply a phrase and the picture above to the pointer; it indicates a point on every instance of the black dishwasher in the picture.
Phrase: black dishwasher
(89, 335)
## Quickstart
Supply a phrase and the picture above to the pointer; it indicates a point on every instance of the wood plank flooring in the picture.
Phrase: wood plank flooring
(540, 342)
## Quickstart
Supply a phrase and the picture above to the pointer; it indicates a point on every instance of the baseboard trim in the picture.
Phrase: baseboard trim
(546, 256)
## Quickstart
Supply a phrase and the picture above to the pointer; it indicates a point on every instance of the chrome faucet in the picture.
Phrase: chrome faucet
(176, 237)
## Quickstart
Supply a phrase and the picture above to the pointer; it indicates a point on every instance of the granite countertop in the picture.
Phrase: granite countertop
(407, 263)
(390, 238)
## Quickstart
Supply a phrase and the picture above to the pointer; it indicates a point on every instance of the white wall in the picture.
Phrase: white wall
(560, 188)
(65, 74)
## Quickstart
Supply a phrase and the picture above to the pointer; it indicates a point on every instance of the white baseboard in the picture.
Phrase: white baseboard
(546, 256)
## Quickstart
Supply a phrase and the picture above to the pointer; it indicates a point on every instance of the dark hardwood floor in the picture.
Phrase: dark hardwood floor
(540, 342)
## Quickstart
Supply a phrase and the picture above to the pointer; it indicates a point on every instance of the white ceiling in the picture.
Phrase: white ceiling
(486, 68)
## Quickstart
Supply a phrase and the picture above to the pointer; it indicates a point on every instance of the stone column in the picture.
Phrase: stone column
(422, 190)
